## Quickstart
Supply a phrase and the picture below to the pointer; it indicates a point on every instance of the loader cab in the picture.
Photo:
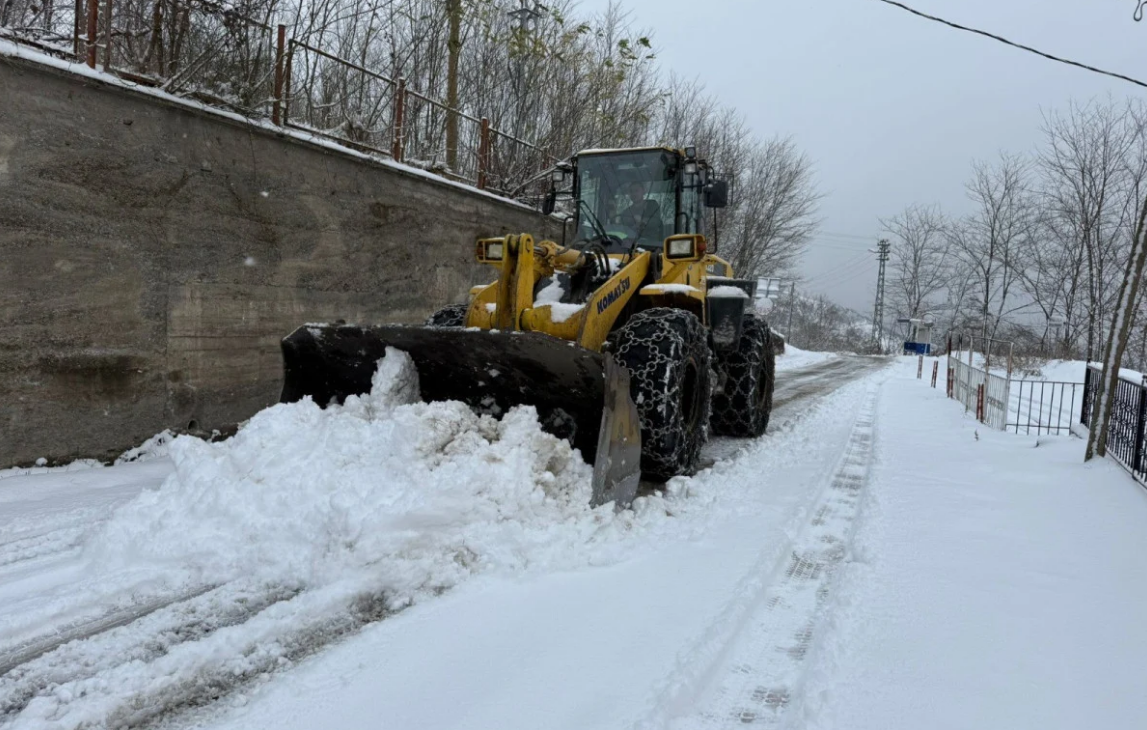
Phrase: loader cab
(636, 198)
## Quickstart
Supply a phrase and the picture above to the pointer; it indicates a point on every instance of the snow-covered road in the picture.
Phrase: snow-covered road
(878, 560)
(82, 643)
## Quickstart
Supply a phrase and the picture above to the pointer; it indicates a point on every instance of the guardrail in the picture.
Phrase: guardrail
(213, 53)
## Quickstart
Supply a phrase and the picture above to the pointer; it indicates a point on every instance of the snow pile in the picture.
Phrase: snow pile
(794, 358)
(425, 492)
(727, 292)
(156, 447)
(551, 296)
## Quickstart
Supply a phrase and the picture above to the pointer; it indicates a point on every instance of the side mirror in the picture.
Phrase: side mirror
(550, 202)
(717, 194)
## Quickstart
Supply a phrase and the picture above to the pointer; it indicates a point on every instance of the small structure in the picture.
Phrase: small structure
(919, 340)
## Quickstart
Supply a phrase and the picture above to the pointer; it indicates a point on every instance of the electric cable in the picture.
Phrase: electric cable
(1013, 44)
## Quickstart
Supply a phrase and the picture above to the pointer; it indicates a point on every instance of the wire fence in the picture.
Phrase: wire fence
(244, 62)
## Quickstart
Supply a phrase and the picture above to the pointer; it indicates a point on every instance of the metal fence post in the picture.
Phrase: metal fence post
(277, 108)
(1085, 403)
(935, 372)
(79, 13)
(287, 83)
(1140, 422)
(980, 403)
(107, 34)
(93, 29)
(920, 368)
(399, 112)
(483, 153)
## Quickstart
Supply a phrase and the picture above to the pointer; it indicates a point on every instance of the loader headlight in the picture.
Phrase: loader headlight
(680, 248)
(685, 246)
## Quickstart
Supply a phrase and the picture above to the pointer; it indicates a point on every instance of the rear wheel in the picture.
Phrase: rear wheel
(666, 352)
(743, 406)
(453, 315)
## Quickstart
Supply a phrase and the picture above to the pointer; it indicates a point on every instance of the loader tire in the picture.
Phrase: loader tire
(453, 315)
(666, 352)
(742, 407)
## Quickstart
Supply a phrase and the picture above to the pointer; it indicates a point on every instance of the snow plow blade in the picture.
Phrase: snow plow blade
(491, 371)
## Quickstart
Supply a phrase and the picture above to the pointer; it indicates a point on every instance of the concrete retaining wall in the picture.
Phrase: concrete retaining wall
(152, 256)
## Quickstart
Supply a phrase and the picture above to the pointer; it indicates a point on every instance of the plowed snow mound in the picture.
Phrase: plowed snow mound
(420, 491)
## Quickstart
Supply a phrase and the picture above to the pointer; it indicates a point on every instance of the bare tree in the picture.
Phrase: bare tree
(989, 240)
(1084, 166)
(920, 262)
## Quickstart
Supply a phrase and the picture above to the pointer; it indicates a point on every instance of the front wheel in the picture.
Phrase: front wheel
(742, 408)
(666, 352)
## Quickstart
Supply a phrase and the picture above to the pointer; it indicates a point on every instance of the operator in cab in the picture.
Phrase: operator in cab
(642, 215)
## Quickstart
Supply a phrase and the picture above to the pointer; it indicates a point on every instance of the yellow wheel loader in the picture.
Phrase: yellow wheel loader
(632, 340)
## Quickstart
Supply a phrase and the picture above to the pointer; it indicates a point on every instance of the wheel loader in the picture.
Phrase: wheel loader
(633, 340)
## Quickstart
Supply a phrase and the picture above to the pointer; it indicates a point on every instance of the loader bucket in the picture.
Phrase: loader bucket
(489, 370)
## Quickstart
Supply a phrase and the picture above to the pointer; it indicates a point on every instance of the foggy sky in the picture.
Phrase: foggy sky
(892, 108)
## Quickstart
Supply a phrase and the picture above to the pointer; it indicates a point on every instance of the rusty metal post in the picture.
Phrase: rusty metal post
(920, 368)
(277, 108)
(93, 29)
(484, 154)
(396, 149)
(951, 380)
(980, 403)
(935, 372)
(107, 34)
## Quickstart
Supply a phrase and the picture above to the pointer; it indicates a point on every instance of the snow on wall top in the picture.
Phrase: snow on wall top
(15, 50)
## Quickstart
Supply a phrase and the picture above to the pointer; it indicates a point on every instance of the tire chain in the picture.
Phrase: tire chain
(452, 315)
(747, 369)
(654, 346)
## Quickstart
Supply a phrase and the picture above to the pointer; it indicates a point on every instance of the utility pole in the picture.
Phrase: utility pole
(454, 48)
(882, 250)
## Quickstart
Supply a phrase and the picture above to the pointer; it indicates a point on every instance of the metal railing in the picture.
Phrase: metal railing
(1022, 406)
(980, 390)
(212, 52)
(1125, 432)
(1044, 406)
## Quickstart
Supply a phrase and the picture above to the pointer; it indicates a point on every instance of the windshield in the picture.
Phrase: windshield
(629, 195)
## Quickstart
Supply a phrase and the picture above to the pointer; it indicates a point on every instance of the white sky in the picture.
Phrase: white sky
(892, 108)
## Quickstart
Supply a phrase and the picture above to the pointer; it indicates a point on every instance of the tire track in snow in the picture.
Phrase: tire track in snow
(129, 691)
(38, 546)
(764, 674)
(142, 635)
(34, 647)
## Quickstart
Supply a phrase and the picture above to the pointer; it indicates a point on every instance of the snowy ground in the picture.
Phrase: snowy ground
(796, 358)
(869, 563)
(995, 582)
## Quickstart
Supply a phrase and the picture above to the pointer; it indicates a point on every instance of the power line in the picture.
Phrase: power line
(861, 272)
(844, 270)
(1013, 44)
